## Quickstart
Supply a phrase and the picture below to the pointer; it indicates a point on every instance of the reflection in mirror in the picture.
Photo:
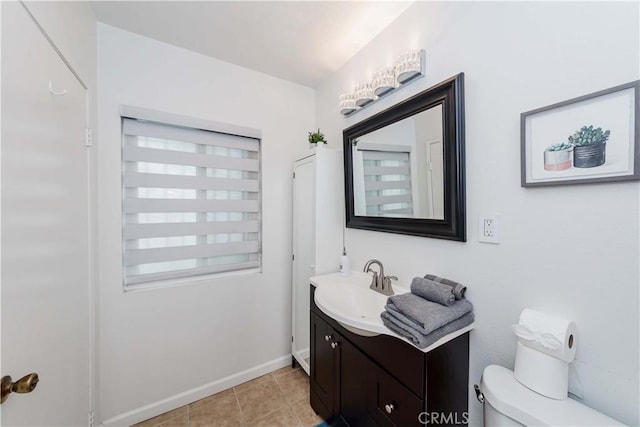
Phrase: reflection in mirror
(398, 169)
(404, 166)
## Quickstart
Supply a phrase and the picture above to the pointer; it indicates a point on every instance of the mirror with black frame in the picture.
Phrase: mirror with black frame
(404, 167)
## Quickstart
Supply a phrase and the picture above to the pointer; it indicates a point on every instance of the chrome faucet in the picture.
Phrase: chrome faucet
(379, 282)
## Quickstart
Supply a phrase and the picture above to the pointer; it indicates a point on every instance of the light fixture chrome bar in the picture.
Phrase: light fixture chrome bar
(407, 68)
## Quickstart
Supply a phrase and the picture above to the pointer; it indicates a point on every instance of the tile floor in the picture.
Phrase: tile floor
(278, 399)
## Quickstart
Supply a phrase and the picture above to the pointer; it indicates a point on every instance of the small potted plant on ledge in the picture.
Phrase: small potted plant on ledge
(316, 137)
(557, 157)
(589, 146)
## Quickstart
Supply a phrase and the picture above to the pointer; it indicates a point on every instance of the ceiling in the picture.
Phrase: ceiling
(302, 41)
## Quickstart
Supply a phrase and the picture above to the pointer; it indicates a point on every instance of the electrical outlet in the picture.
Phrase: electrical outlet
(488, 229)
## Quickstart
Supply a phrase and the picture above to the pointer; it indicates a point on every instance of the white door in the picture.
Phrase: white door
(436, 178)
(304, 255)
(45, 254)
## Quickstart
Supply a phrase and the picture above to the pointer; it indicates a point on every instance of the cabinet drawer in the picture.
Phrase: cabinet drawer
(400, 359)
(392, 404)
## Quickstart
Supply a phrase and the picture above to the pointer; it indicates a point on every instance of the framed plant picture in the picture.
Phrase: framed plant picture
(592, 138)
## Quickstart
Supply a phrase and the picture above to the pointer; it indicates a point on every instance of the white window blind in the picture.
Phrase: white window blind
(387, 183)
(191, 202)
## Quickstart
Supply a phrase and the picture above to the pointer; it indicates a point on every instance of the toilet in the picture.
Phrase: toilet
(509, 403)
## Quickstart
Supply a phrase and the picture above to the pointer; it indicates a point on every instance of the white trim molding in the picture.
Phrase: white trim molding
(173, 402)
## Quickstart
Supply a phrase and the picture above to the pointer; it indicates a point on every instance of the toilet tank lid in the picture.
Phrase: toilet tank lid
(526, 406)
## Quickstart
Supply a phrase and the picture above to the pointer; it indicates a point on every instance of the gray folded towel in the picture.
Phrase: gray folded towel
(420, 340)
(433, 291)
(425, 316)
(458, 288)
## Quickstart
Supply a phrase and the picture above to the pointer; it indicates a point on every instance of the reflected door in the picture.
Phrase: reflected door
(436, 183)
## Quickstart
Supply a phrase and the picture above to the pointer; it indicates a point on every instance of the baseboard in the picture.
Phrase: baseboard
(302, 354)
(160, 407)
(305, 353)
(301, 357)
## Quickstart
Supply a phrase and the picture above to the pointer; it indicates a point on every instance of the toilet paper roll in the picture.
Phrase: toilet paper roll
(552, 335)
(541, 373)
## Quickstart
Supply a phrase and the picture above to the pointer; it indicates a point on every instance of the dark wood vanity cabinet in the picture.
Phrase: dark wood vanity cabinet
(384, 381)
(324, 367)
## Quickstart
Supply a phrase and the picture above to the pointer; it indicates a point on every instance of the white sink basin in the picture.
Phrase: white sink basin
(351, 303)
(357, 308)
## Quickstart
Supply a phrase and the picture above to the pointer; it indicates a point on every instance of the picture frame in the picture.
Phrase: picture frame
(588, 139)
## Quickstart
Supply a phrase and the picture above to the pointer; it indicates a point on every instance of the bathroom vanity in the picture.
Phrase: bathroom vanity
(383, 380)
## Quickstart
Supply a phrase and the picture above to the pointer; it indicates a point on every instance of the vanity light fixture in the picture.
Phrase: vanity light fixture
(409, 66)
(347, 103)
(364, 94)
(384, 81)
(406, 68)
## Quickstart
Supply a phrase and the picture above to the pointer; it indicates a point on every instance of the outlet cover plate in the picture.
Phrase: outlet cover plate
(489, 229)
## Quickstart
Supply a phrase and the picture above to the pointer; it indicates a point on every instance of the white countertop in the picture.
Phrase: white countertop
(350, 302)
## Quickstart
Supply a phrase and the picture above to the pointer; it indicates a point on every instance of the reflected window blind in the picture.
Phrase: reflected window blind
(387, 183)
(191, 202)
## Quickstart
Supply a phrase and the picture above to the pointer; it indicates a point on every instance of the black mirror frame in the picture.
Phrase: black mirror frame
(450, 94)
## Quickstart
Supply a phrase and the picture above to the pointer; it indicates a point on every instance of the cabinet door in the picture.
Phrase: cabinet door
(304, 255)
(356, 381)
(391, 403)
(325, 369)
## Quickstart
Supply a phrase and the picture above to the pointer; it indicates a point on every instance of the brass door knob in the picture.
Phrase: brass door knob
(25, 384)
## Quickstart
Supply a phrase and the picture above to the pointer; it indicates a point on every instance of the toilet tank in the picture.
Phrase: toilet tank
(509, 403)
(494, 418)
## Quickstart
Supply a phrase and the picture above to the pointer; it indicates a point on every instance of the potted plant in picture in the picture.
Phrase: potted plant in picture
(589, 146)
(557, 157)
(316, 137)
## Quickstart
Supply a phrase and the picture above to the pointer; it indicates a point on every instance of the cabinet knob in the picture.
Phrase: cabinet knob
(389, 408)
(328, 337)
(335, 345)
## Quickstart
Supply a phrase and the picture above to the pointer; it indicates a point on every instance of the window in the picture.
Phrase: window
(387, 182)
(191, 202)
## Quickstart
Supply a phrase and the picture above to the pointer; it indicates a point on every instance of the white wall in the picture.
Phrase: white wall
(162, 348)
(568, 250)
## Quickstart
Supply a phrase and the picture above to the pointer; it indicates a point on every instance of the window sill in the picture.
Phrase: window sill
(187, 281)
